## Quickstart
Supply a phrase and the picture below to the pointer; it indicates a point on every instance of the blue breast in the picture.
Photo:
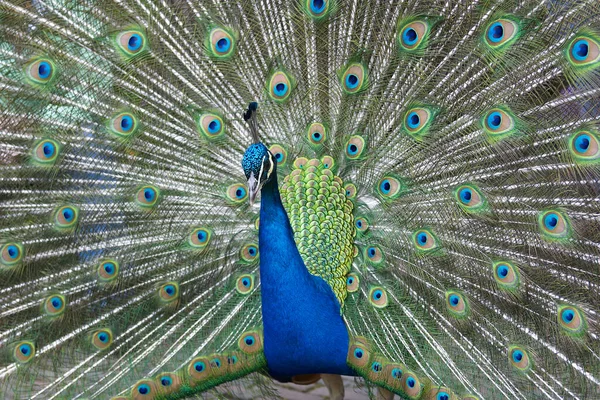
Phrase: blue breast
(304, 332)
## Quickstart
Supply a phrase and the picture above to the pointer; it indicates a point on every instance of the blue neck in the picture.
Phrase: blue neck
(303, 328)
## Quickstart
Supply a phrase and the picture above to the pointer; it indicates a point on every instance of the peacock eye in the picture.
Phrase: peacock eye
(147, 196)
(355, 147)
(123, 124)
(417, 121)
(211, 126)
(102, 338)
(222, 43)
(424, 240)
(237, 193)
(108, 270)
(131, 43)
(40, 71)
(169, 292)
(280, 86)
(585, 147)
(456, 304)
(584, 51)
(46, 151)
(245, 284)
(554, 224)
(317, 134)
(354, 77)
(501, 33)
(519, 358)
(12, 253)
(378, 297)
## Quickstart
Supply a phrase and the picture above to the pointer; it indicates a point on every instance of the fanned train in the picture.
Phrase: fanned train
(201, 194)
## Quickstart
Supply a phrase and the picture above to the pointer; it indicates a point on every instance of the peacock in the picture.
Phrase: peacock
(200, 195)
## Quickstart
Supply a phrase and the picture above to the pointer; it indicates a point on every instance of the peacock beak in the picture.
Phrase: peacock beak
(253, 188)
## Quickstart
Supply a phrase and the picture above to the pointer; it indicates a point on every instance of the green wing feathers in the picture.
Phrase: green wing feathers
(439, 163)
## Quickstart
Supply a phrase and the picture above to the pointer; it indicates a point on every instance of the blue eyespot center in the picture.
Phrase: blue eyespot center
(240, 193)
(166, 381)
(494, 120)
(409, 36)
(252, 251)
(376, 367)
(199, 366)
(316, 136)
(149, 194)
(201, 235)
(349, 281)
(56, 302)
(359, 223)
(413, 120)
(278, 156)
(496, 32)
(223, 45)
(135, 42)
(246, 282)
(442, 396)
(109, 268)
(214, 126)
(68, 214)
(351, 81)
(215, 362)
(551, 221)
(567, 316)
(411, 382)
(372, 252)
(517, 356)
(48, 150)
(249, 340)
(317, 6)
(144, 389)
(126, 123)
(352, 149)
(25, 349)
(103, 337)
(422, 238)
(377, 295)
(581, 50)
(358, 353)
(396, 373)
(466, 195)
(582, 143)
(454, 300)
(385, 186)
(13, 251)
(44, 70)
(502, 271)
(170, 290)
(281, 89)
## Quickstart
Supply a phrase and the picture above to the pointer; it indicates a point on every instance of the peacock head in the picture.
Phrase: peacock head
(259, 166)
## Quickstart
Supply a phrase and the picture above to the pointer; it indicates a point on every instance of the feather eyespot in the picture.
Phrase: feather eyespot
(102, 338)
(584, 51)
(199, 369)
(350, 190)
(249, 253)
(456, 304)
(54, 305)
(144, 389)
(66, 217)
(585, 147)
(389, 187)
(131, 43)
(374, 256)
(412, 385)
(470, 198)
(46, 151)
(221, 43)
(24, 352)
(40, 71)
(355, 147)
(352, 283)
(147, 196)
(418, 120)
(317, 9)
(317, 135)
(167, 382)
(237, 193)
(506, 275)
(499, 123)
(280, 154)
(123, 124)
(554, 224)
(250, 342)
(439, 393)
(572, 320)
(424, 240)
(328, 162)
(280, 86)
(353, 79)
(378, 297)
(168, 292)
(12, 253)
(108, 270)
(359, 353)
(413, 34)
(245, 284)
(199, 238)
(361, 224)
(501, 33)
(519, 358)
(211, 126)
